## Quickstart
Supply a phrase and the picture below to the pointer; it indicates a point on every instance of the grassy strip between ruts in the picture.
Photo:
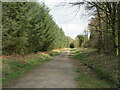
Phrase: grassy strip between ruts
(105, 66)
(15, 66)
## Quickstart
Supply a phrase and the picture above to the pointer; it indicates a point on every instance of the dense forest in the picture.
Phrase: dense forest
(28, 27)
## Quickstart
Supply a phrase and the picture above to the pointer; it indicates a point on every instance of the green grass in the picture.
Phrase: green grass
(105, 66)
(86, 81)
(54, 53)
(14, 67)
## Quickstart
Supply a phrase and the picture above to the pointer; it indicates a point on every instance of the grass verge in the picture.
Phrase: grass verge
(15, 66)
(104, 66)
(88, 81)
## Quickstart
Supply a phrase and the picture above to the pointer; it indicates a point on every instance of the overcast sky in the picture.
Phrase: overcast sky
(72, 19)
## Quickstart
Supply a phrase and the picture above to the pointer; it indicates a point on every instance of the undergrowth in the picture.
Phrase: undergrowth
(105, 66)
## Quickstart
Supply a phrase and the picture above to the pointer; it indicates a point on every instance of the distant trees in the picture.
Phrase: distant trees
(28, 28)
(72, 45)
(81, 41)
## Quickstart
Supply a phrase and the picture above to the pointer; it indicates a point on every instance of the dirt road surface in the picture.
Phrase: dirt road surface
(57, 73)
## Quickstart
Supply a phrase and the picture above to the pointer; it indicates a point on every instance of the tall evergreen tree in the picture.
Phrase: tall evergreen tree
(28, 28)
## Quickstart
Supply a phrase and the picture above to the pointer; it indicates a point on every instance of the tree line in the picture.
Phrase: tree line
(27, 27)
(104, 28)
(79, 41)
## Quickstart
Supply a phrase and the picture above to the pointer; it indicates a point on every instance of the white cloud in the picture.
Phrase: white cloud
(72, 30)
(51, 2)
(66, 17)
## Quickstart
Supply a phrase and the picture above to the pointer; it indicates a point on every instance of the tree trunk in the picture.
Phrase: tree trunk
(100, 33)
(119, 30)
(113, 22)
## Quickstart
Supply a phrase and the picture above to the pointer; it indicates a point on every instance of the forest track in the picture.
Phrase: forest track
(57, 73)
